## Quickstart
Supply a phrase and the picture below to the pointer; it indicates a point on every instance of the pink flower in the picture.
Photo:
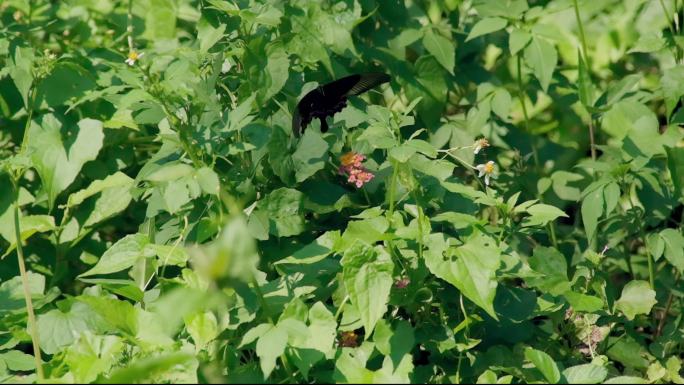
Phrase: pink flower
(352, 168)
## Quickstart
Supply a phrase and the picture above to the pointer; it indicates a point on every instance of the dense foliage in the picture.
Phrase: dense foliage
(507, 209)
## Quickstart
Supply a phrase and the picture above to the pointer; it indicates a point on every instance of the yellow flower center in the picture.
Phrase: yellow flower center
(348, 158)
(133, 56)
(489, 168)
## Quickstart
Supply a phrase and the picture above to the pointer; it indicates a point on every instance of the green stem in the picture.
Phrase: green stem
(33, 326)
(649, 257)
(521, 96)
(667, 16)
(393, 183)
(129, 26)
(583, 39)
(339, 309)
(585, 53)
(552, 226)
(670, 298)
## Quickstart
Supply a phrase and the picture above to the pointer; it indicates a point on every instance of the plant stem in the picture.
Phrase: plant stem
(393, 183)
(583, 39)
(521, 93)
(670, 298)
(129, 26)
(521, 96)
(585, 53)
(33, 326)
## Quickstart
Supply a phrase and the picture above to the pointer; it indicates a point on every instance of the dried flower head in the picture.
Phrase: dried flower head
(349, 339)
(402, 283)
(480, 144)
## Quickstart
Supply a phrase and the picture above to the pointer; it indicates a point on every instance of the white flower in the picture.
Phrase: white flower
(133, 56)
(480, 144)
(486, 170)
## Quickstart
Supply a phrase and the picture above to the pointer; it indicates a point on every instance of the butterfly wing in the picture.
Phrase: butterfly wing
(331, 98)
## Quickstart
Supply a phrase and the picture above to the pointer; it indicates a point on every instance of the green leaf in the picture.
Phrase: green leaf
(628, 352)
(18, 361)
(517, 40)
(284, 208)
(675, 163)
(649, 42)
(368, 230)
(59, 152)
(323, 328)
(626, 380)
(12, 292)
(122, 255)
(394, 342)
(672, 84)
(501, 103)
(441, 48)
(471, 267)
(637, 298)
(29, 225)
(277, 69)
(203, 328)
(21, 70)
(314, 251)
(93, 355)
(58, 329)
(160, 20)
(585, 374)
(427, 82)
(208, 180)
(551, 268)
(402, 153)
(541, 214)
(544, 363)
(583, 303)
(149, 368)
(114, 197)
(504, 8)
(674, 248)
(269, 347)
(232, 254)
(67, 80)
(542, 57)
(208, 35)
(170, 172)
(367, 274)
(592, 209)
(311, 155)
(486, 26)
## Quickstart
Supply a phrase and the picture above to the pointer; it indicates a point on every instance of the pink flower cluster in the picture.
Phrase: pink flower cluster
(352, 168)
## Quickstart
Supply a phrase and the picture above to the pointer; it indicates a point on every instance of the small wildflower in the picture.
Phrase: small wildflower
(133, 57)
(486, 170)
(17, 15)
(352, 168)
(480, 144)
(49, 54)
(348, 339)
(402, 283)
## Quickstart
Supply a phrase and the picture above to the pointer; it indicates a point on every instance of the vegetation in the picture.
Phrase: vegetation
(507, 209)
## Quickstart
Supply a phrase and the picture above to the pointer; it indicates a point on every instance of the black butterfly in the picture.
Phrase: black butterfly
(328, 99)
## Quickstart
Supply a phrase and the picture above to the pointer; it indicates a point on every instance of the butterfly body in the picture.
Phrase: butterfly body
(331, 98)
